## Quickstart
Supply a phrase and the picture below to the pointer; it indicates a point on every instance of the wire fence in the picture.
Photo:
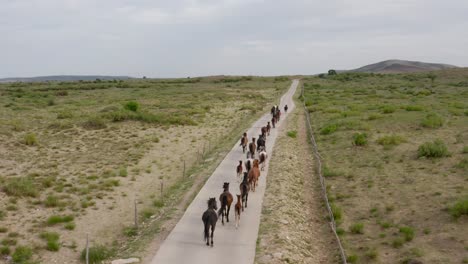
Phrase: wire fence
(318, 158)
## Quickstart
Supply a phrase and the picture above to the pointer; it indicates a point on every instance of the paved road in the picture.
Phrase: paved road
(237, 246)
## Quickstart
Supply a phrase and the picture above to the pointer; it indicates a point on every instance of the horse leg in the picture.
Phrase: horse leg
(207, 232)
(227, 215)
(246, 199)
(212, 233)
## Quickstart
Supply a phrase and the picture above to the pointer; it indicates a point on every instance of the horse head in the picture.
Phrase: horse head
(212, 203)
(246, 175)
(226, 186)
(255, 163)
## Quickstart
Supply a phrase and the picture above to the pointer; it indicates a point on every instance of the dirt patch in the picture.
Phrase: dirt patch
(293, 226)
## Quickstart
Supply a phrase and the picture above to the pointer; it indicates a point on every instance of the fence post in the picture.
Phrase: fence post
(136, 215)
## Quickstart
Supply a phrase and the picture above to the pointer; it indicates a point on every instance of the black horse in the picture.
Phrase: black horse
(244, 189)
(261, 143)
(210, 217)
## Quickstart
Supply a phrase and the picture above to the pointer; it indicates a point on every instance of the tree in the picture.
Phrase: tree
(331, 72)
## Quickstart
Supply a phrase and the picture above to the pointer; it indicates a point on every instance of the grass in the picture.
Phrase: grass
(30, 139)
(5, 251)
(435, 149)
(21, 187)
(328, 129)
(123, 172)
(337, 212)
(52, 201)
(360, 139)
(132, 106)
(97, 254)
(70, 226)
(22, 255)
(408, 233)
(432, 120)
(391, 140)
(460, 208)
(57, 219)
(357, 228)
(52, 240)
(292, 134)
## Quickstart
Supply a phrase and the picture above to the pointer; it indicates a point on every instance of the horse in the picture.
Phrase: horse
(244, 189)
(239, 170)
(263, 156)
(268, 128)
(261, 143)
(264, 130)
(273, 109)
(278, 115)
(254, 174)
(237, 210)
(209, 218)
(252, 148)
(285, 108)
(226, 200)
(243, 142)
(248, 164)
(273, 121)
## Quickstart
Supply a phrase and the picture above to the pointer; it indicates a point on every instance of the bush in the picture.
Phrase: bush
(328, 129)
(407, 232)
(459, 209)
(56, 219)
(94, 123)
(414, 108)
(132, 106)
(5, 251)
(392, 140)
(30, 139)
(352, 258)
(329, 173)
(130, 231)
(123, 172)
(158, 203)
(64, 115)
(436, 149)
(292, 134)
(52, 240)
(51, 201)
(465, 150)
(432, 120)
(463, 164)
(3, 229)
(21, 186)
(96, 254)
(22, 254)
(337, 213)
(398, 242)
(388, 109)
(70, 226)
(357, 228)
(360, 139)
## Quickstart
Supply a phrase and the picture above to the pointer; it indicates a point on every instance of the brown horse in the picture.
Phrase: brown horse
(243, 142)
(273, 121)
(239, 170)
(254, 174)
(264, 130)
(237, 210)
(244, 189)
(252, 148)
(268, 128)
(263, 157)
(226, 200)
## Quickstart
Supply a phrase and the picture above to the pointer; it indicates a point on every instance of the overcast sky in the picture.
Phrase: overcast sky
(173, 38)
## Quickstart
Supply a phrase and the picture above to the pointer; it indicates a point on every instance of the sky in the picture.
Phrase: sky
(180, 38)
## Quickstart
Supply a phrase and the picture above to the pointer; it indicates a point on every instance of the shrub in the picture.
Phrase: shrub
(360, 139)
(329, 173)
(434, 149)
(56, 219)
(123, 172)
(158, 203)
(51, 201)
(5, 251)
(388, 109)
(132, 106)
(407, 232)
(337, 213)
(357, 228)
(328, 129)
(432, 120)
(463, 164)
(22, 254)
(460, 208)
(130, 231)
(21, 186)
(374, 116)
(64, 115)
(398, 242)
(52, 240)
(372, 254)
(392, 140)
(70, 226)
(3, 229)
(96, 254)
(352, 258)
(30, 139)
(292, 134)
(414, 108)
(94, 123)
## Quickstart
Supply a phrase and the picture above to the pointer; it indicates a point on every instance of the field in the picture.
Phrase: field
(75, 157)
(395, 149)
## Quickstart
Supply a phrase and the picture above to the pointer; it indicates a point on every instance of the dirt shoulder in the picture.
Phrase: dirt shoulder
(293, 225)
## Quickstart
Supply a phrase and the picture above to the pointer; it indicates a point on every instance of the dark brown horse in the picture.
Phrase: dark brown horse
(268, 128)
(273, 121)
(252, 148)
(254, 174)
(263, 156)
(226, 200)
(209, 219)
(244, 189)
(248, 164)
(243, 142)
(237, 210)
(239, 170)
(264, 130)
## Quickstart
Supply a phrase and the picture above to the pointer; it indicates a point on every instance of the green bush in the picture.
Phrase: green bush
(357, 228)
(337, 213)
(123, 172)
(21, 186)
(30, 139)
(52, 240)
(432, 120)
(3, 229)
(22, 254)
(460, 208)
(398, 242)
(465, 150)
(5, 251)
(360, 139)
(328, 129)
(436, 149)
(392, 140)
(414, 108)
(130, 231)
(132, 106)
(388, 109)
(352, 258)
(56, 219)
(64, 115)
(70, 226)
(96, 254)
(408, 232)
(292, 134)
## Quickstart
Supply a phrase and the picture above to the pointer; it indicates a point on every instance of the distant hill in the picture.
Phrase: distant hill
(64, 78)
(402, 66)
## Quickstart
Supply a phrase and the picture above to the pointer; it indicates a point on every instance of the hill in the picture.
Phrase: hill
(402, 66)
(64, 78)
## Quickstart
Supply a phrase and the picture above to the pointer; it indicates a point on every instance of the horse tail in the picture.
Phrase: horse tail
(206, 231)
(224, 202)
(244, 189)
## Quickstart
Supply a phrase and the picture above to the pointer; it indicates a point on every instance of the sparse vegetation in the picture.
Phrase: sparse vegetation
(408, 232)
(432, 120)
(56, 219)
(292, 134)
(96, 254)
(460, 208)
(391, 140)
(22, 255)
(52, 240)
(435, 149)
(360, 139)
(21, 186)
(30, 139)
(357, 228)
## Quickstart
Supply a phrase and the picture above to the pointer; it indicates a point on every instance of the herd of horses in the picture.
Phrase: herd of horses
(247, 179)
